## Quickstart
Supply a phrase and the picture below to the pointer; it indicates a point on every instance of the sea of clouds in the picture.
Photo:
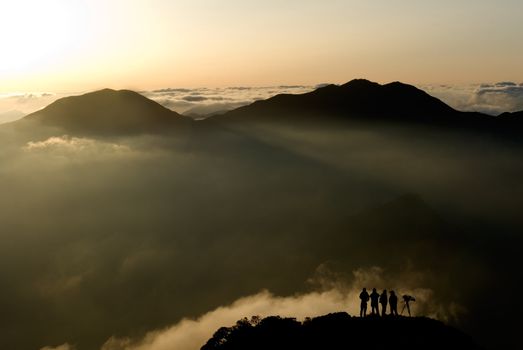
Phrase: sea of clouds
(492, 99)
(329, 295)
(205, 101)
(152, 243)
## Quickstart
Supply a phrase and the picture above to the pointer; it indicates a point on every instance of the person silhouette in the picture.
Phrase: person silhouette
(364, 297)
(393, 302)
(374, 302)
(406, 300)
(383, 302)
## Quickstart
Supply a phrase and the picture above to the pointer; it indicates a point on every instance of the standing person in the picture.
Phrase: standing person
(374, 298)
(393, 301)
(364, 297)
(383, 302)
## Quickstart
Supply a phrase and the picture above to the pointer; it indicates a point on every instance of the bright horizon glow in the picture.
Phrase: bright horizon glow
(69, 45)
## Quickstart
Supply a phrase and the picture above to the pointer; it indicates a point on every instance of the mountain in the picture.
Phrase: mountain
(357, 98)
(108, 112)
(362, 101)
(512, 118)
(518, 114)
(339, 331)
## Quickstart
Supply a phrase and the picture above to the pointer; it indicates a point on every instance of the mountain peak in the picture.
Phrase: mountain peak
(107, 111)
(360, 83)
(357, 99)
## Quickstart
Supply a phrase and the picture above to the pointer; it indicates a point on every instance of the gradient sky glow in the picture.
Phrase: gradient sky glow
(72, 45)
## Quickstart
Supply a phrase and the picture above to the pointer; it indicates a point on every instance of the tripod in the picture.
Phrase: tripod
(406, 305)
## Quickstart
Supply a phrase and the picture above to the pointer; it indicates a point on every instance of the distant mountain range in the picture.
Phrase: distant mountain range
(108, 112)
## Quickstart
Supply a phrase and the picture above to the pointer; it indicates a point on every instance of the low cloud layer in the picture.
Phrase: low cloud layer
(334, 296)
(196, 102)
(491, 99)
(119, 237)
(15, 105)
(74, 145)
(65, 346)
(205, 101)
(199, 102)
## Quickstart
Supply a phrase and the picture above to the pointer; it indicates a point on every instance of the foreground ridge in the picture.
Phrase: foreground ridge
(339, 331)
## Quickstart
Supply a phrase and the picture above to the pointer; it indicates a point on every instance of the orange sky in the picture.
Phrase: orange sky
(64, 45)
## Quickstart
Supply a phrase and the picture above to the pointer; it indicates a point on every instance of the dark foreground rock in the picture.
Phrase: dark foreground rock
(339, 331)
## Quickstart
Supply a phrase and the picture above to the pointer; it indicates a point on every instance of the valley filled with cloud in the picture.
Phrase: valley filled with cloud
(137, 242)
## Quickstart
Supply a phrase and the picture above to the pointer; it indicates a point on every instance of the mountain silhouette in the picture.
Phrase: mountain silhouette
(108, 112)
(111, 112)
(339, 331)
(513, 114)
(512, 117)
(357, 98)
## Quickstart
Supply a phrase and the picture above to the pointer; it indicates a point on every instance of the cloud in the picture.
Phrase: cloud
(321, 85)
(153, 226)
(502, 97)
(332, 295)
(27, 102)
(492, 99)
(170, 91)
(196, 101)
(194, 98)
(67, 144)
(203, 101)
(505, 84)
(212, 108)
(192, 334)
(65, 346)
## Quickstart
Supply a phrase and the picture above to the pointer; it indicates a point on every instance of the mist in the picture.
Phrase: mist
(330, 294)
(125, 241)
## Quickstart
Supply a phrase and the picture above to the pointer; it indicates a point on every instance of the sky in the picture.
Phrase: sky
(71, 45)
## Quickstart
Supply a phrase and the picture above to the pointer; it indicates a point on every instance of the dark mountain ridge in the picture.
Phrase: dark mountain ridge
(512, 115)
(356, 99)
(339, 331)
(109, 112)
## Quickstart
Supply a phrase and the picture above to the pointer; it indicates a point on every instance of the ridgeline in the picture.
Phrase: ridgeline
(339, 331)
